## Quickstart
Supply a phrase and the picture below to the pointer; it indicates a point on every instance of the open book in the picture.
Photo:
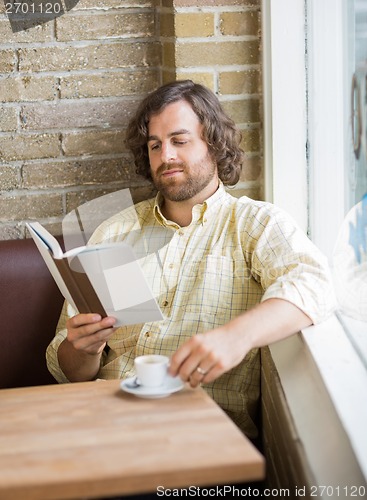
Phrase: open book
(104, 278)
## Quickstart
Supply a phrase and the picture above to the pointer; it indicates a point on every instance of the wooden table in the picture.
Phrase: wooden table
(92, 440)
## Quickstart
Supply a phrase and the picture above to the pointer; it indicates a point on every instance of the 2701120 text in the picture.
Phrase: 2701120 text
(23, 8)
(338, 491)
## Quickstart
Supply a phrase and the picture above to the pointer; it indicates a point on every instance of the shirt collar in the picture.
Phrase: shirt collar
(200, 212)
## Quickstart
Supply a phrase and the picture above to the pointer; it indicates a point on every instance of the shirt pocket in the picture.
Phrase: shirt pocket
(209, 286)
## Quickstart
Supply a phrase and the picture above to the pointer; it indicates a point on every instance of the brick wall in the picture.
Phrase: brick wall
(69, 86)
(217, 43)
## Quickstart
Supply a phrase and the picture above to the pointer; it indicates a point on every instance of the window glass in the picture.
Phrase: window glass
(350, 252)
(358, 177)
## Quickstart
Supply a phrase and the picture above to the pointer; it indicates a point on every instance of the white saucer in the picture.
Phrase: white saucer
(171, 385)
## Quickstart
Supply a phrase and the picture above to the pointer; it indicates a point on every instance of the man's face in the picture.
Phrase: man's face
(180, 163)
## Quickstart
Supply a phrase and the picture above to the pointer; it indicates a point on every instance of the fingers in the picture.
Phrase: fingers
(196, 362)
(89, 332)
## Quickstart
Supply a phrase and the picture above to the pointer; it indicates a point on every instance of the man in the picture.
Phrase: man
(350, 262)
(237, 274)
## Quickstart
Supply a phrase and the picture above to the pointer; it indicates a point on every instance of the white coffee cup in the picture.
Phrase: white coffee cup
(151, 369)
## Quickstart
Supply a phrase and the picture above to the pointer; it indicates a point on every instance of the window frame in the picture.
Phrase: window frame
(329, 80)
(285, 109)
(315, 160)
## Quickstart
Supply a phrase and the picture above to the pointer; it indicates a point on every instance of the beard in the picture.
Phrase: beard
(197, 178)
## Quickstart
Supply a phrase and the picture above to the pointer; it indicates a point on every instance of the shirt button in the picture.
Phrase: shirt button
(147, 334)
(181, 233)
(171, 266)
(165, 303)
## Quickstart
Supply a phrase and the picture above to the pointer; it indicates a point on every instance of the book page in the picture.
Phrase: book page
(120, 283)
(49, 261)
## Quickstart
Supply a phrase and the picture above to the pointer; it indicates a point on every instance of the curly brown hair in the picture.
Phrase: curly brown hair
(219, 131)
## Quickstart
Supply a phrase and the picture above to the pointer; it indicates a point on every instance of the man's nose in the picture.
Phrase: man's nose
(168, 153)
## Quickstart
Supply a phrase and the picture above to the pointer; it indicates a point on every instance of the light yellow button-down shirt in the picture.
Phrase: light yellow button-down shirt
(234, 254)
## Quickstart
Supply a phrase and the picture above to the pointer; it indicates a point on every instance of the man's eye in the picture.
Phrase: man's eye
(154, 147)
(180, 143)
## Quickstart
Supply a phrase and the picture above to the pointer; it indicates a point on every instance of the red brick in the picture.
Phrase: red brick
(63, 114)
(93, 143)
(104, 26)
(100, 56)
(27, 147)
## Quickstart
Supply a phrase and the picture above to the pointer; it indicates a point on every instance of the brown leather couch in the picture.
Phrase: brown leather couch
(30, 305)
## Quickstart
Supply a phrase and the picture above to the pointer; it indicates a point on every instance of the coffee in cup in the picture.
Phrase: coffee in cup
(151, 369)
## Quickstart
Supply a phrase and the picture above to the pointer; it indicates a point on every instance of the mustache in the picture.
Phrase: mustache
(169, 166)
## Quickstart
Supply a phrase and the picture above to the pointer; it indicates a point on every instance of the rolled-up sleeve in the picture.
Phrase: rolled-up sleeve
(290, 267)
(51, 352)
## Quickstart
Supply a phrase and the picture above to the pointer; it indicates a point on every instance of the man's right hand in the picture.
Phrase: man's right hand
(80, 353)
(89, 332)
